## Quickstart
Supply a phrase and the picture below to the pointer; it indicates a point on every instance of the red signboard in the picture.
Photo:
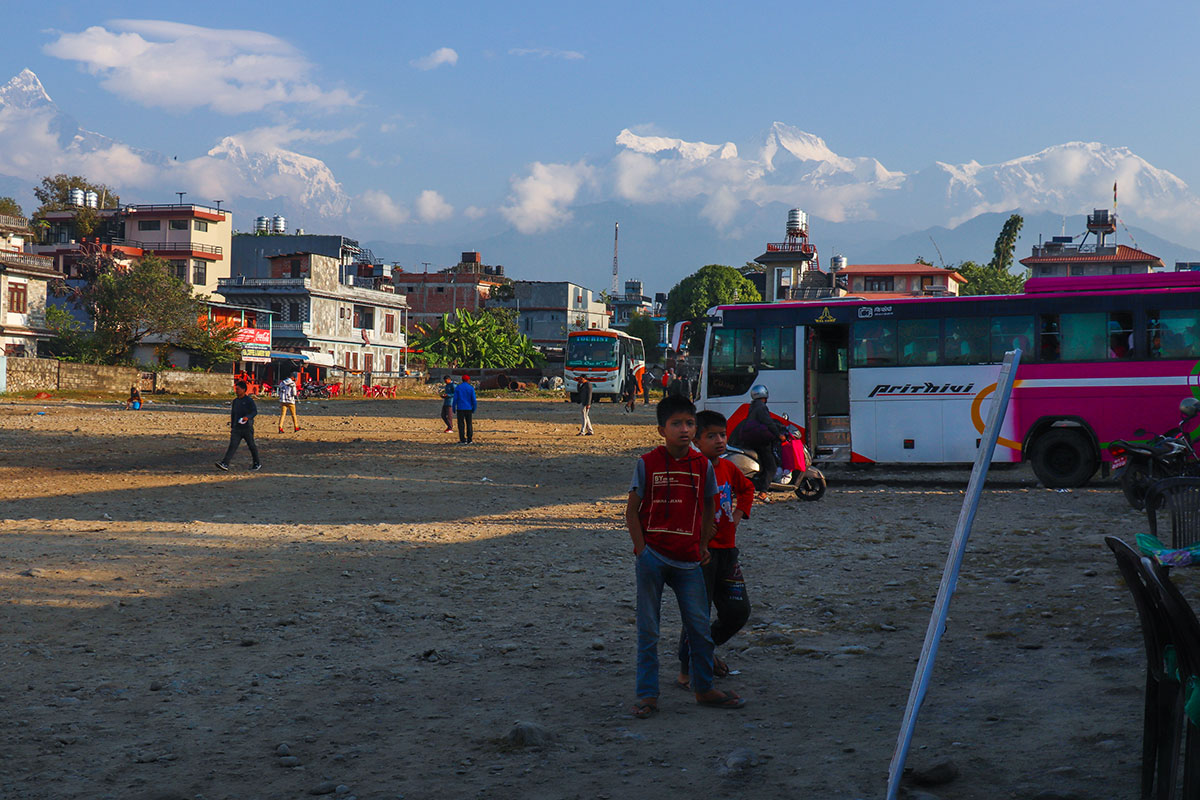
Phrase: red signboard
(253, 336)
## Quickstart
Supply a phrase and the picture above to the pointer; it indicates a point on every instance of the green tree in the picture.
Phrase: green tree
(70, 341)
(1006, 243)
(129, 305)
(10, 207)
(54, 192)
(711, 285)
(210, 344)
(643, 326)
(995, 277)
(488, 339)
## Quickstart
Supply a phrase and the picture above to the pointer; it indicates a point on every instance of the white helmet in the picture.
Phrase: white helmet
(758, 392)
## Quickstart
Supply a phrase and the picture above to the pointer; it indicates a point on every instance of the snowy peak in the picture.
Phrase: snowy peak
(801, 145)
(283, 174)
(690, 151)
(24, 91)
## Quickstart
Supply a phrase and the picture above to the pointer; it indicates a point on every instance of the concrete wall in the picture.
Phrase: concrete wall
(93, 378)
(180, 382)
(48, 375)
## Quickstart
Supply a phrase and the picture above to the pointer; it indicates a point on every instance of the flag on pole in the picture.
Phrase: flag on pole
(1114, 195)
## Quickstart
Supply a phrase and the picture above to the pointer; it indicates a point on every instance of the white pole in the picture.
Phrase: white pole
(958, 547)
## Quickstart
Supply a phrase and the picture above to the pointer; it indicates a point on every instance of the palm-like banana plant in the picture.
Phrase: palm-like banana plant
(483, 340)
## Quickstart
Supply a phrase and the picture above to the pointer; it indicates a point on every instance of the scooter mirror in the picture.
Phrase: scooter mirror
(1189, 407)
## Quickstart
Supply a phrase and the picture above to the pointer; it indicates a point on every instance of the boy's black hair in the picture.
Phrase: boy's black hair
(671, 405)
(240, 384)
(710, 419)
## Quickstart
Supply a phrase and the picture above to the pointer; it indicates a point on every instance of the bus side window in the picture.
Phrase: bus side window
(919, 339)
(777, 348)
(1049, 340)
(1174, 334)
(966, 341)
(1120, 334)
(874, 343)
(1012, 333)
(1084, 337)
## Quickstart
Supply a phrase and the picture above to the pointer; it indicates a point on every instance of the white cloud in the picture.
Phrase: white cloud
(475, 212)
(443, 55)
(540, 201)
(432, 207)
(176, 66)
(274, 137)
(380, 207)
(545, 52)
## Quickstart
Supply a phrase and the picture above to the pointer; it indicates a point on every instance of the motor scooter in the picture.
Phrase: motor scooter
(805, 480)
(1137, 465)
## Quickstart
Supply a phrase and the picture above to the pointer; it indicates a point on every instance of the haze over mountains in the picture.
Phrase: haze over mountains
(681, 204)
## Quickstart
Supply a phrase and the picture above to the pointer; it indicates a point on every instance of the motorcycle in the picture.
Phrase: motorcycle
(1137, 465)
(806, 481)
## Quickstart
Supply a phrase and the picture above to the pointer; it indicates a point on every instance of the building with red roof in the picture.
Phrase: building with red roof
(1063, 257)
(899, 280)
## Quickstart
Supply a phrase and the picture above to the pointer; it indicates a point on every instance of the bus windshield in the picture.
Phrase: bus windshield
(592, 351)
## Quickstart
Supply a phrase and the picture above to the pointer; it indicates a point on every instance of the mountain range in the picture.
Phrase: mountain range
(681, 204)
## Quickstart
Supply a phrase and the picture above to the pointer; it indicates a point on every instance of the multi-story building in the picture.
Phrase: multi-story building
(1062, 256)
(325, 314)
(633, 300)
(252, 252)
(24, 279)
(195, 240)
(548, 310)
(899, 280)
(467, 285)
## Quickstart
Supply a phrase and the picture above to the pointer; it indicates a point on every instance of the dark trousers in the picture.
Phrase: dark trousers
(766, 467)
(466, 429)
(727, 593)
(446, 416)
(237, 435)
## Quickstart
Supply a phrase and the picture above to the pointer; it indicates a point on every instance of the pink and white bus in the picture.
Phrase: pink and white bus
(909, 380)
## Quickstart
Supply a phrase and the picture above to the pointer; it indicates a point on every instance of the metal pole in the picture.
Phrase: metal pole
(958, 547)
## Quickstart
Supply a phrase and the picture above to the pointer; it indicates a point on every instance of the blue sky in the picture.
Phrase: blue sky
(906, 83)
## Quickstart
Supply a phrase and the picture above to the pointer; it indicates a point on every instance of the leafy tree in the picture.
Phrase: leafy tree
(1006, 242)
(210, 343)
(487, 339)
(10, 207)
(70, 341)
(995, 277)
(131, 304)
(54, 192)
(711, 285)
(643, 326)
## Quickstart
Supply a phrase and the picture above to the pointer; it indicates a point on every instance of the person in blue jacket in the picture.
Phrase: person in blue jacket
(464, 407)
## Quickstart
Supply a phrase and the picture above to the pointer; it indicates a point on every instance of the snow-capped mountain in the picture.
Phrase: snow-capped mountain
(24, 91)
(301, 184)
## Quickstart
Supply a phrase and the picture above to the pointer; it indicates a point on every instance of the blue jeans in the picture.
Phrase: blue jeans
(692, 595)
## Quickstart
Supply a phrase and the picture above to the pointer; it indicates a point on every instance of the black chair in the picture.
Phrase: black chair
(1180, 498)
(1163, 709)
(1185, 631)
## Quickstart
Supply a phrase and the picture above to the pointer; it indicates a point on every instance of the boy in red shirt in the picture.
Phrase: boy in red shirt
(670, 518)
(722, 572)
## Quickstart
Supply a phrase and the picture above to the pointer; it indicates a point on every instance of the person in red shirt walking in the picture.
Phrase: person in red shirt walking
(722, 572)
(670, 517)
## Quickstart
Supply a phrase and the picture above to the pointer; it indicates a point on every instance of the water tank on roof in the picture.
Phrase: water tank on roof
(837, 263)
(77, 197)
(262, 224)
(278, 224)
(91, 199)
(797, 222)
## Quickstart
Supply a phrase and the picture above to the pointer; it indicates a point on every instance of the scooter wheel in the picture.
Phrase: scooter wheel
(811, 486)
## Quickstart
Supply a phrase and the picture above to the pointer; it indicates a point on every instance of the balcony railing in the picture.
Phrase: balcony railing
(165, 247)
(803, 248)
(7, 221)
(27, 260)
(143, 209)
(242, 280)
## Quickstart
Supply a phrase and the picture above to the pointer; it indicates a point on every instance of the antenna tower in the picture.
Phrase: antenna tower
(616, 233)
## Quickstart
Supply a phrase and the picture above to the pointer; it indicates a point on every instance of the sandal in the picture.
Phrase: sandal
(685, 685)
(720, 668)
(644, 707)
(762, 497)
(728, 700)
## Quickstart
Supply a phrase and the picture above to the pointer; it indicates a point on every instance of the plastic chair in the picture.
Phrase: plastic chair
(1180, 498)
(1185, 633)
(1163, 708)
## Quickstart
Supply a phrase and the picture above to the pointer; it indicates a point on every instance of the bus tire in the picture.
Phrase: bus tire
(1063, 458)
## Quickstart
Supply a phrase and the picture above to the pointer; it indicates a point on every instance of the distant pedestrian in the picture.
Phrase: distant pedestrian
(134, 403)
(287, 401)
(447, 401)
(585, 405)
(464, 406)
(667, 377)
(629, 391)
(647, 378)
(241, 426)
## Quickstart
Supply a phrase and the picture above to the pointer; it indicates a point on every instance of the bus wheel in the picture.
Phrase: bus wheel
(1063, 458)
(811, 485)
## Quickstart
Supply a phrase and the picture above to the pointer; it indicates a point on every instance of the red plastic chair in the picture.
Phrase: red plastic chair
(335, 389)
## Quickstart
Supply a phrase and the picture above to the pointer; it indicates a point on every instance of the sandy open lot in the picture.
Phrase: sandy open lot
(378, 606)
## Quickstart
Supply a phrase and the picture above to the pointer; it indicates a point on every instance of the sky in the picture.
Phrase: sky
(463, 114)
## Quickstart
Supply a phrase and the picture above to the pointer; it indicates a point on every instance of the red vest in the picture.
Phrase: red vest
(671, 509)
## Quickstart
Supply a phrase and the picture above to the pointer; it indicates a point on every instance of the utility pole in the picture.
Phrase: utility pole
(616, 233)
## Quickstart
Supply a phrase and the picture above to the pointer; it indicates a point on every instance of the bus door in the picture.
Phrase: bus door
(827, 358)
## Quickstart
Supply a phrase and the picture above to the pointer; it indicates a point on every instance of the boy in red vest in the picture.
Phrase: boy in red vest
(722, 572)
(670, 518)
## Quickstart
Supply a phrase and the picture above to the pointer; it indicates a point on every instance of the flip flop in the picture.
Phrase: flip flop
(727, 700)
(643, 708)
(720, 668)
(685, 685)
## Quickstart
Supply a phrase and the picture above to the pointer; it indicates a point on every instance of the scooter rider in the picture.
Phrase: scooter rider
(760, 431)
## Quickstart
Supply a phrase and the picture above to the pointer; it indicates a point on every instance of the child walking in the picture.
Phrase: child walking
(722, 572)
(287, 401)
(241, 426)
(670, 516)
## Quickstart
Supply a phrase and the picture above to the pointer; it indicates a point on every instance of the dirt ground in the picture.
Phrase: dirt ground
(371, 613)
